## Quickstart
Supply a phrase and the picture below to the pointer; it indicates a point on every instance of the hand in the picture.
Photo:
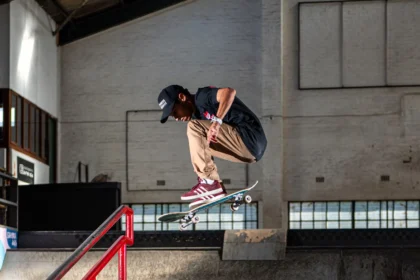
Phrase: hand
(213, 132)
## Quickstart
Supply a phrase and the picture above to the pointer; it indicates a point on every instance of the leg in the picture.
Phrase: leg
(229, 147)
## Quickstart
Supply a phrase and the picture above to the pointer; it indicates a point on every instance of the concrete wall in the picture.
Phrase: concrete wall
(34, 63)
(4, 45)
(351, 136)
(195, 44)
(331, 265)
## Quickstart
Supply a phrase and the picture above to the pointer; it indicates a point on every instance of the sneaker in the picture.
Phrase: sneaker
(203, 189)
(206, 199)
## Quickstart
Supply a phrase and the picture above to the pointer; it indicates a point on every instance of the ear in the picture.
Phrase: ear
(182, 97)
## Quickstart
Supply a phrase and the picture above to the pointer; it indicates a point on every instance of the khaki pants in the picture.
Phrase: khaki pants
(229, 147)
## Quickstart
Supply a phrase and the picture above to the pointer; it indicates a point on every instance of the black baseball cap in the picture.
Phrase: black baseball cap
(167, 98)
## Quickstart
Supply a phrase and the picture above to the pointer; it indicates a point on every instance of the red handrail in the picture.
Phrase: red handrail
(120, 245)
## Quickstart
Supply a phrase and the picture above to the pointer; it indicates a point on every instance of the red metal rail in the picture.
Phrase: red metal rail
(120, 246)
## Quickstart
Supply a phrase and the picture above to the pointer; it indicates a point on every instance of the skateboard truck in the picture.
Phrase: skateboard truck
(239, 200)
(189, 219)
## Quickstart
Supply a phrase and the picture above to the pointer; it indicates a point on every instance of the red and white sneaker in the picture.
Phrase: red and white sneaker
(203, 189)
(206, 199)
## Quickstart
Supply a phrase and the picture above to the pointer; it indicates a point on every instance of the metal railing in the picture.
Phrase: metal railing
(120, 246)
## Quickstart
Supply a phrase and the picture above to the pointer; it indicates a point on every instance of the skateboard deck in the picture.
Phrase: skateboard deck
(189, 217)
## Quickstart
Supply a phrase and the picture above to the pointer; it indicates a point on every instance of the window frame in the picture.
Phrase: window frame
(364, 214)
(43, 151)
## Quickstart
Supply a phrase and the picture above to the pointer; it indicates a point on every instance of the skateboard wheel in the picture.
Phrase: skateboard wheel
(248, 199)
(196, 219)
(182, 227)
(234, 207)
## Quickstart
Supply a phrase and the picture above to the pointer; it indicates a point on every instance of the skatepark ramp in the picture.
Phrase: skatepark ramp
(120, 246)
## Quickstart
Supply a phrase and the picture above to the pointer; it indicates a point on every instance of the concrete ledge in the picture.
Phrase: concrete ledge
(257, 244)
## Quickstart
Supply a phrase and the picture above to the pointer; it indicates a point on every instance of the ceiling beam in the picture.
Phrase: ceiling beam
(69, 17)
(111, 17)
(60, 8)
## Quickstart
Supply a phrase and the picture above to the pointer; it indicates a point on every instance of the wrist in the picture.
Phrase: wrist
(216, 120)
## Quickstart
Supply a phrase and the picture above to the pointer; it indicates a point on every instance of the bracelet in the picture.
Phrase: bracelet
(216, 119)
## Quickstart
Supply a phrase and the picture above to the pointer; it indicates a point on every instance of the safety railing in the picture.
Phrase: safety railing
(120, 246)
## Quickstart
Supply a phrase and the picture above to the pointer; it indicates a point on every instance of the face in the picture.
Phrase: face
(183, 108)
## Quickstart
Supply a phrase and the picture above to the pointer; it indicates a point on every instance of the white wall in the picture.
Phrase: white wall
(42, 171)
(197, 44)
(34, 57)
(4, 45)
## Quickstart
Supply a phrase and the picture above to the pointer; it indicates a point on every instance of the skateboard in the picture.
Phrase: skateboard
(190, 217)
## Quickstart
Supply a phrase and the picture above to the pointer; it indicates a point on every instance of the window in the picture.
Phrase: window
(16, 119)
(354, 214)
(43, 135)
(26, 125)
(387, 214)
(37, 133)
(32, 130)
(32, 127)
(218, 218)
(2, 97)
(19, 120)
(13, 118)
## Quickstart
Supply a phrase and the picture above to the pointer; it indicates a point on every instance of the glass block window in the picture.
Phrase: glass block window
(387, 214)
(354, 214)
(219, 217)
(320, 215)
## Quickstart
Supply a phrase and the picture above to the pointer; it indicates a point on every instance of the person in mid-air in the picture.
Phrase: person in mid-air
(220, 125)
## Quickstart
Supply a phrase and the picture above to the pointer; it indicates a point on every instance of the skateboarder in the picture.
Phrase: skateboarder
(219, 125)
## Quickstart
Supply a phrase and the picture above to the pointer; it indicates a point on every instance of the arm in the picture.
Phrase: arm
(225, 97)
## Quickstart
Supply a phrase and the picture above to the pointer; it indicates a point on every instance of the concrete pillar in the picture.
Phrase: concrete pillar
(272, 111)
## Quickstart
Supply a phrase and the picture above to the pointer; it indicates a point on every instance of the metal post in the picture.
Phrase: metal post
(79, 170)
(122, 263)
(87, 173)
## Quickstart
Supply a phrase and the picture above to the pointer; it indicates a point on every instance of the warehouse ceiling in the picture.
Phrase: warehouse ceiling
(77, 19)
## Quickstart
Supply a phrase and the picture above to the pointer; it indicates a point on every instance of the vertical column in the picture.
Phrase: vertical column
(272, 162)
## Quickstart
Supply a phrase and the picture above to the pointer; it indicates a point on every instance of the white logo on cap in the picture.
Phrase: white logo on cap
(162, 104)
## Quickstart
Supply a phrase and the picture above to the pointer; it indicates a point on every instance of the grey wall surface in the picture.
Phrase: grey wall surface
(4, 45)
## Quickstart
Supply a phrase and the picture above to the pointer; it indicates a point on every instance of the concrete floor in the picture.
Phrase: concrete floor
(310, 264)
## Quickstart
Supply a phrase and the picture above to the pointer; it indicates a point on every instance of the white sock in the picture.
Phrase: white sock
(208, 181)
